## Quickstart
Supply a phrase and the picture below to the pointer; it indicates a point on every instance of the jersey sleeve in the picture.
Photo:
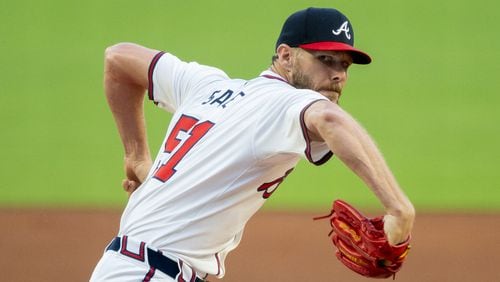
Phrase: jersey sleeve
(172, 81)
(284, 131)
(317, 153)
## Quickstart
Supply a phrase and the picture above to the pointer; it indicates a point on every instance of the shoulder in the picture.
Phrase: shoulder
(169, 60)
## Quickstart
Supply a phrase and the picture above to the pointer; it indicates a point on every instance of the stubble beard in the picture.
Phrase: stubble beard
(301, 80)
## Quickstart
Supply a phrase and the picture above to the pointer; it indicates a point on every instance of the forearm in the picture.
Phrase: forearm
(125, 95)
(126, 104)
(354, 147)
(351, 144)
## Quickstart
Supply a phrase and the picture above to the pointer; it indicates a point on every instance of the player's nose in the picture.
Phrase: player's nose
(338, 75)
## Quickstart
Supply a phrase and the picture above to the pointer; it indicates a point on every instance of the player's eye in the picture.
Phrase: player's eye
(327, 60)
(333, 62)
(346, 64)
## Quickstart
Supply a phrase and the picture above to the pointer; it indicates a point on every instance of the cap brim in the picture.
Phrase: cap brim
(358, 57)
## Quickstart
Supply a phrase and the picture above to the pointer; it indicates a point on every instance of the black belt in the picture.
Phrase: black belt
(155, 258)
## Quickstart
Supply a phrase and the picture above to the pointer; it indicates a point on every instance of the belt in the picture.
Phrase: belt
(155, 258)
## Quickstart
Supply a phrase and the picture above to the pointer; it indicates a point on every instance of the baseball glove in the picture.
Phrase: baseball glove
(361, 244)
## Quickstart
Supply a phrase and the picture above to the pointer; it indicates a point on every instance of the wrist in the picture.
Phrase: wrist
(402, 210)
(136, 151)
(135, 157)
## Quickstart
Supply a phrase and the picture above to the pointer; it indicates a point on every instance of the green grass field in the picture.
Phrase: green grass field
(430, 98)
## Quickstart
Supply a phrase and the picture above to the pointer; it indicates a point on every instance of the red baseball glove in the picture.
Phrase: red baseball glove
(361, 244)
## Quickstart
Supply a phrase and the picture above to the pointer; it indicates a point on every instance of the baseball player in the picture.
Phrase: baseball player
(229, 145)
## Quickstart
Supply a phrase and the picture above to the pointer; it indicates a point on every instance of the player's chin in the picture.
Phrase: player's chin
(332, 95)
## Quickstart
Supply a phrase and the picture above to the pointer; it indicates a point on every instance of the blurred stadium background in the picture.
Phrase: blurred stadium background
(430, 98)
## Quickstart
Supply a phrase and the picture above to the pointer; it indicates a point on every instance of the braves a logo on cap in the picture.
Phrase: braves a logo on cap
(343, 28)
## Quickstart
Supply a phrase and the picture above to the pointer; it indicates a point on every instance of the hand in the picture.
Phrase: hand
(398, 228)
(361, 244)
(136, 171)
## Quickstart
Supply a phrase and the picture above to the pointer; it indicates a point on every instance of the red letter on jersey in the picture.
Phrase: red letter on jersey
(196, 131)
(270, 187)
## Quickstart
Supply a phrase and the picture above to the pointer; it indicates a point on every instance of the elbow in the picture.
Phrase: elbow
(113, 51)
(115, 57)
(111, 61)
(113, 54)
(110, 52)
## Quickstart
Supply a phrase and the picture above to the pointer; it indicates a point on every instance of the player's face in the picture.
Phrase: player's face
(322, 71)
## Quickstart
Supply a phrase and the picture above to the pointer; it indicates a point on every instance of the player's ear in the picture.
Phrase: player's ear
(285, 54)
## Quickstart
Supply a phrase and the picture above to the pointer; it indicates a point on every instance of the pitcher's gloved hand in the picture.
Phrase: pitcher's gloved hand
(361, 243)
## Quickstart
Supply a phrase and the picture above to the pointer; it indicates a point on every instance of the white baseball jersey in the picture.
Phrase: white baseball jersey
(229, 145)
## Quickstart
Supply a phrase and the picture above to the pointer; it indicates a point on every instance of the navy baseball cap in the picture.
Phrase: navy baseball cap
(321, 29)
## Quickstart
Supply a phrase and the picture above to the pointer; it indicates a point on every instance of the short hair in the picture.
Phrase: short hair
(274, 58)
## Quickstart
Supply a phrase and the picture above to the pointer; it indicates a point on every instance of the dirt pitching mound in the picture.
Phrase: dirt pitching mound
(65, 245)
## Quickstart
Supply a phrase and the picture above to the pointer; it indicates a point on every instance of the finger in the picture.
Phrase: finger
(126, 185)
(130, 185)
